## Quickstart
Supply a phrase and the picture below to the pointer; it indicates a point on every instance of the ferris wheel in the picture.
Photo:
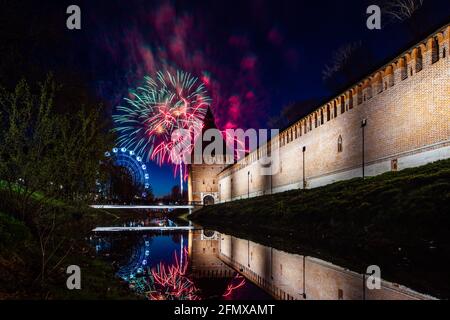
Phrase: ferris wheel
(134, 164)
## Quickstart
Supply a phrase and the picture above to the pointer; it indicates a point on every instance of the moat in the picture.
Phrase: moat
(173, 264)
(192, 263)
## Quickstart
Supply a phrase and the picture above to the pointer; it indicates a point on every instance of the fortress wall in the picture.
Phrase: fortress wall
(407, 107)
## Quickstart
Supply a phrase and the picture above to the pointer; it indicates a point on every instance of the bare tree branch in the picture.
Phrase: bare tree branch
(402, 9)
(340, 58)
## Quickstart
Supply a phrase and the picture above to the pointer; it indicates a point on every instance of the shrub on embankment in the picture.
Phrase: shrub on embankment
(63, 230)
(398, 220)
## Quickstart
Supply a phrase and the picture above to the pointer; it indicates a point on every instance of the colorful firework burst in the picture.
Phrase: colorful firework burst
(164, 105)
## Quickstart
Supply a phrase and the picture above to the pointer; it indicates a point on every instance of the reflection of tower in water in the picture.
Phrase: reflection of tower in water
(203, 255)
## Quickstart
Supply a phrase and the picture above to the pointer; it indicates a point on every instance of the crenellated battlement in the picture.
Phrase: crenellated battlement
(429, 51)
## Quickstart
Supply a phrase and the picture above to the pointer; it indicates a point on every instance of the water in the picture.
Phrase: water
(173, 265)
(198, 264)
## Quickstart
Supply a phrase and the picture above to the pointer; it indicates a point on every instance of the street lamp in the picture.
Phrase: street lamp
(363, 125)
(304, 176)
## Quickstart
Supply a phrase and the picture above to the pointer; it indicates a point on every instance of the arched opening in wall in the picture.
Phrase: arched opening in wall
(340, 147)
(208, 200)
(419, 58)
(328, 113)
(444, 53)
(435, 50)
(335, 108)
(342, 105)
(315, 120)
(350, 100)
(321, 116)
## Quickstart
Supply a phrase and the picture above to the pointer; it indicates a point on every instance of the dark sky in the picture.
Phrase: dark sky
(256, 57)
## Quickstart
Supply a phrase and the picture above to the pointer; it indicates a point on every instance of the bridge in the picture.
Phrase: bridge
(134, 229)
(144, 207)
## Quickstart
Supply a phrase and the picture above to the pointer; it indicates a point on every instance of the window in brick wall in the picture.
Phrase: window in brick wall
(340, 147)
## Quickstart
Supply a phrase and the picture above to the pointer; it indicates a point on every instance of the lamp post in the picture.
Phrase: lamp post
(363, 125)
(304, 176)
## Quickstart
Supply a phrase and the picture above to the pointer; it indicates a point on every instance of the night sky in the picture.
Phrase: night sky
(255, 57)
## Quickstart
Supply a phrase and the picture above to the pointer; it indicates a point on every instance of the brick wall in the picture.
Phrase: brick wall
(407, 107)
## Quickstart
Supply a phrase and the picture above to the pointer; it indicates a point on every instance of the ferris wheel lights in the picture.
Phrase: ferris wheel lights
(123, 149)
(144, 167)
(147, 176)
(139, 159)
(115, 150)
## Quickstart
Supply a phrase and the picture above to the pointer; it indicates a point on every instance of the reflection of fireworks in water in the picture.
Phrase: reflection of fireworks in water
(237, 282)
(167, 282)
(171, 282)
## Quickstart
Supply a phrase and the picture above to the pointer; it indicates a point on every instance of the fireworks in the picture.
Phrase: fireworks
(237, 282)
(167, 282)
(163, 105)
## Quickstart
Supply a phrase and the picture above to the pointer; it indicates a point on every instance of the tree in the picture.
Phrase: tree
(26, 142)
(46, 156)
(118, 185)
(402, 9)
(292, 112)
(347, 65)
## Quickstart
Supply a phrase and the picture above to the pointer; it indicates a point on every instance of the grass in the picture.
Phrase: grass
(398, 220)
(20, 255)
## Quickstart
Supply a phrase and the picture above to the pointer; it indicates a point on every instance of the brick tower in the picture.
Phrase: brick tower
(203, 185)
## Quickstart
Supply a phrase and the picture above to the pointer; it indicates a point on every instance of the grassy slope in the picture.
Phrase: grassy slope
(399, 221)
(20, 257)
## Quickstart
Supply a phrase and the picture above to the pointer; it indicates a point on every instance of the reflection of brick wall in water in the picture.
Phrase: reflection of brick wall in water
(407, 107)
(295, 277)
(203, 256)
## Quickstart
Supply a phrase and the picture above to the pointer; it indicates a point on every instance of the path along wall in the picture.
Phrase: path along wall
(406, 104)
